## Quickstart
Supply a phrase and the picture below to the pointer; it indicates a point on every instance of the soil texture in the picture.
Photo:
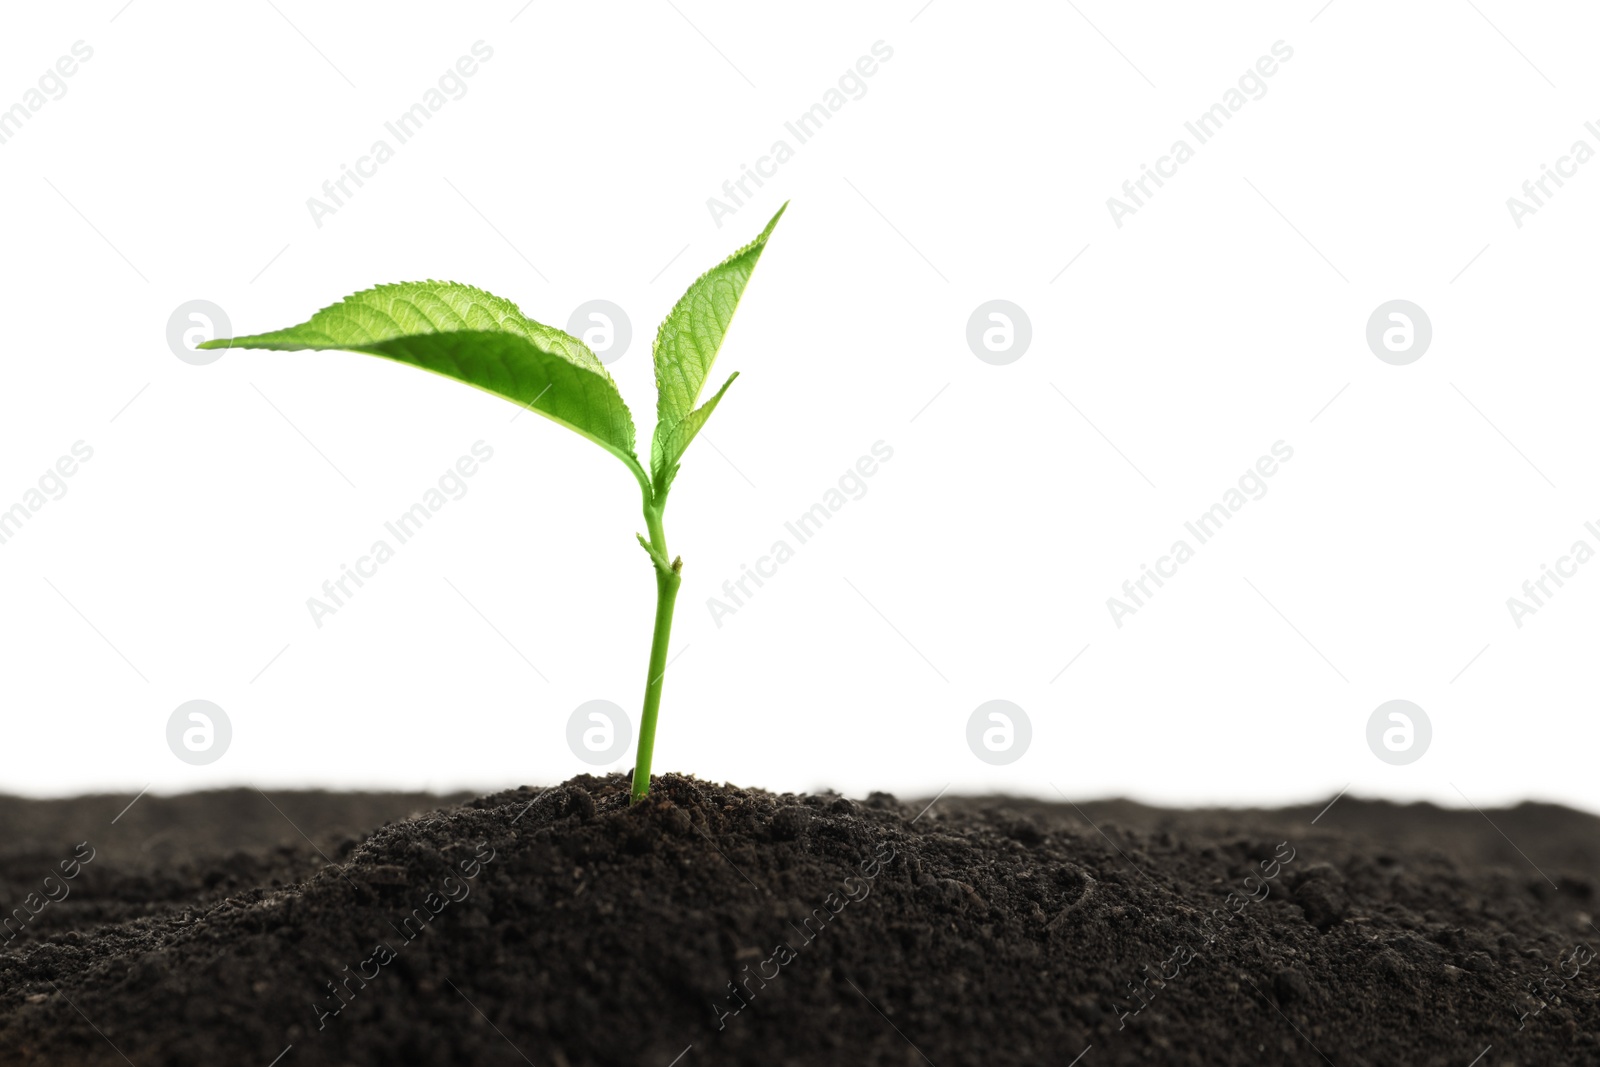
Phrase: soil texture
(718, 925)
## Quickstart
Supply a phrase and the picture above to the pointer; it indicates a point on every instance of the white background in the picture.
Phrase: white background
(1222, 317)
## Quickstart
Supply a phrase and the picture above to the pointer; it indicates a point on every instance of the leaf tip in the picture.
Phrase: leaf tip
(773, 222)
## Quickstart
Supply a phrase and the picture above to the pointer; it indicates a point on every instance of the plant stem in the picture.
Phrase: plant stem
(667, 581)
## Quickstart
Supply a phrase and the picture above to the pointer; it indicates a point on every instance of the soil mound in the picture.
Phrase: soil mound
(716, 925)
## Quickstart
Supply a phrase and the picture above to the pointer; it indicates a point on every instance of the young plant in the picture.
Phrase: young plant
(477, 338)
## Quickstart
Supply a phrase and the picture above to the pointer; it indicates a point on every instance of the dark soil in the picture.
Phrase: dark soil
(565, 928)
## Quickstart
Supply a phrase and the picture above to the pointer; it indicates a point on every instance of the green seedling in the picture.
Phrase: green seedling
(480, 339)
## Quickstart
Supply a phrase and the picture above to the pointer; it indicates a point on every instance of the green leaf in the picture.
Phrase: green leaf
(664, 460)
(477, 338)
(687, 345)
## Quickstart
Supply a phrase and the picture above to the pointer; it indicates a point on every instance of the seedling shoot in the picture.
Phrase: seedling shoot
(475, 337)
